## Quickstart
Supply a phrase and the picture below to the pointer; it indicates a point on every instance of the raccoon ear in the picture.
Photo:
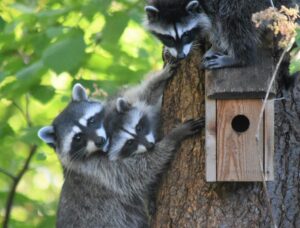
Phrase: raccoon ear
(122, 105)
(152, 12)
(79, 93)
(192, 6)
(47, 135)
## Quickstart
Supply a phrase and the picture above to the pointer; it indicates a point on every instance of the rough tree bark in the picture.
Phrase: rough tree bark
(185, 199)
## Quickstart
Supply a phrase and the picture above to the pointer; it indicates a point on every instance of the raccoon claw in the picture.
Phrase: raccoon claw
(169, 70)
(152, 208)
(193, 126)
(219, 61)
(210, 54)
(197, 125)
(171, 67)
(188, 128)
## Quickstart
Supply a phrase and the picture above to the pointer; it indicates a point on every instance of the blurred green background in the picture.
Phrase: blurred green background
(46, 46)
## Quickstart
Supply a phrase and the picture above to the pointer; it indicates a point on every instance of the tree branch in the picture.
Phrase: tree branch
(20, 174)
(16, 180)
(7, 173)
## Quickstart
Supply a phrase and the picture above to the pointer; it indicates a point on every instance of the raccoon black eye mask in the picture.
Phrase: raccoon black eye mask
(140, 108)
(227, 25)
(78, 131)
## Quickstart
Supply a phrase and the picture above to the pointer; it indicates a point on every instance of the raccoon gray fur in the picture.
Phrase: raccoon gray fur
(141, 107)
(151, 89)
(78, 131)
(227, 23)
(105, 193)
(89, 197)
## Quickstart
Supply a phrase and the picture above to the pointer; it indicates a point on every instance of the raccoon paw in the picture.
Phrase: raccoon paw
(151, 208)
(216, 60)
(188, 128)
(210, 54)
(170, 69)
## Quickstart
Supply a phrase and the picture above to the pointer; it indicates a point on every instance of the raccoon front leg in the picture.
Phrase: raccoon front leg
(156, 160)
(154, 86)
(234, 34)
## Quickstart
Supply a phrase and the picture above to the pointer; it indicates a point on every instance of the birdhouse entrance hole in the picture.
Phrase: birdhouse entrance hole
(240, 123)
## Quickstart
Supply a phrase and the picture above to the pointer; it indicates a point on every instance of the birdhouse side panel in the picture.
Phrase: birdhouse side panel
(269, 118)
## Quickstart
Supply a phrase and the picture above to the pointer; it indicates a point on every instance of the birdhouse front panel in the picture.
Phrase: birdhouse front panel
(234, 152)
(239, 154)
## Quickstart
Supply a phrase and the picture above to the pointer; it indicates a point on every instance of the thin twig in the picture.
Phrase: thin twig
(20, 174)
(286, 50)
(12, 192)
(28, 119)
(20, 109)
(7, 173)
(25, 113)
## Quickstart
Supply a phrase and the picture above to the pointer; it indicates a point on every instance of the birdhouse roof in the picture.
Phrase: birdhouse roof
(247, 82)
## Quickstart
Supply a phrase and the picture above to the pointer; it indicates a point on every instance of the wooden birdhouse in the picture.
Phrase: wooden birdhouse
(234, 98)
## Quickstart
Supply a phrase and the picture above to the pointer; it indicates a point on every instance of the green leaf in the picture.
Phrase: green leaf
(298, 37)
(43, 93)
(114, 28)
(20, 199)
(2, 24)
(294, 66)
(41, 156)
(23, 8)
(53, 32)
(25, 79)
(47, 14)
(5, 130)
(47, 222)
(93, 7)
(20, 224)
(29, 135)
(3, 76)
(66, 54)
(122, 71)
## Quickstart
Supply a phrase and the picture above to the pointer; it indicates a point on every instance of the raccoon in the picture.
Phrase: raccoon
(177, 24)
(141, 107)
(227, 23)
(78, 131)
(105, 193)
(139, 132)
(89, 197)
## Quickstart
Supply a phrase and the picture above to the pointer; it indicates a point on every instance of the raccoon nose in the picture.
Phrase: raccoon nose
(100, 142)
(150, 146)
(181, 55)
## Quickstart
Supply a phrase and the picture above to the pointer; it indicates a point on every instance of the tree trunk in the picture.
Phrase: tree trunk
(185, 199)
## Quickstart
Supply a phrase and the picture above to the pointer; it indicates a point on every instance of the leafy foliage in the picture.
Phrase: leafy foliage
(295, 62)
(45, 48)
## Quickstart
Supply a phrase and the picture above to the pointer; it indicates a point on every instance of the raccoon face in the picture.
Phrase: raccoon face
(77, 132)
(136, 135)
(176, 28)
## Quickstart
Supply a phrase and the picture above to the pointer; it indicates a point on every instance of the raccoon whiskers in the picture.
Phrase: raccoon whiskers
(69, 166)
(196, 44)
